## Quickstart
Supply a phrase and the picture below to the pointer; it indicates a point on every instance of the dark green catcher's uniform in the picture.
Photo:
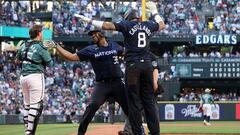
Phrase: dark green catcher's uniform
(34, 58)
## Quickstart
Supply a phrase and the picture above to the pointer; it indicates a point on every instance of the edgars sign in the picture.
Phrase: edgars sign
(216, 39)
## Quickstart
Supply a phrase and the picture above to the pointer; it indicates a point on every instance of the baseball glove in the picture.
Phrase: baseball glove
(200, 109)
(49, 44)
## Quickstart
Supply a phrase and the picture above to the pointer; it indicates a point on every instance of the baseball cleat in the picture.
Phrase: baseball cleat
(122, 133)
(204, 122)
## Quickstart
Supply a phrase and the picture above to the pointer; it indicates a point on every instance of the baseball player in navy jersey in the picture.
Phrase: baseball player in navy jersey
(103, 56)
(33, 57)
(138, 64)
(127, 128)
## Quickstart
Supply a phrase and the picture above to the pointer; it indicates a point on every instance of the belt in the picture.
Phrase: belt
(25, 75)
(29, 74)
(109, 80)
(140, 60)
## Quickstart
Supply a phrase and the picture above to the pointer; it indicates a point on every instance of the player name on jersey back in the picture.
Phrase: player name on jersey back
(140, 27)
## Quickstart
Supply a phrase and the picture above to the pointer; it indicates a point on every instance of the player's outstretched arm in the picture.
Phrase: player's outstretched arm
(151, 6)
(98, 24)
(64, 53)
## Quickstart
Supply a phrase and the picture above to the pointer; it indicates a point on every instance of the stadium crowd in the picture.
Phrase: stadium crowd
(182, 17)
(68, 88)
(15, 13)
(195, 96)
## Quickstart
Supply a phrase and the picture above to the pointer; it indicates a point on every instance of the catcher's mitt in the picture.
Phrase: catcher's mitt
(50, 44)
(200, 109)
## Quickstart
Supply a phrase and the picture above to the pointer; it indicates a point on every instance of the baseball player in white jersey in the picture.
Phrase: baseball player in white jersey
(205, 103)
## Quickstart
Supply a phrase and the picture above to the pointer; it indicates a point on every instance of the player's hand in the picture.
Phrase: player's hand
(151, 7)
(49, 44)
(85, 19)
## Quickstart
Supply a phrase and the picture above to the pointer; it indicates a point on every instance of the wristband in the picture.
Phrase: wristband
(158, 19)
(97, 24)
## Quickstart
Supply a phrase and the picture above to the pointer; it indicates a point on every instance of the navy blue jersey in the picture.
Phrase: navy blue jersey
(104, 60)
(136, 38)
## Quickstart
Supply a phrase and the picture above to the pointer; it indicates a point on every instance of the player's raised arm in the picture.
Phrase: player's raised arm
(151, 6)
(64, 53)
(98, 24)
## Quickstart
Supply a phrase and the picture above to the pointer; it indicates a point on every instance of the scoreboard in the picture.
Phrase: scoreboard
(200, 68)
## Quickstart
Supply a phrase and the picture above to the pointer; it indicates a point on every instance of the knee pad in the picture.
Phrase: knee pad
(33, 116)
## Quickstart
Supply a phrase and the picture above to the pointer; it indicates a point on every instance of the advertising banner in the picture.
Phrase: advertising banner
(238, 111)
(190, 111)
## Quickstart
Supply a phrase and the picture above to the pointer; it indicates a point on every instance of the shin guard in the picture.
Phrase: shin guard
(25, 116)
(33, 117)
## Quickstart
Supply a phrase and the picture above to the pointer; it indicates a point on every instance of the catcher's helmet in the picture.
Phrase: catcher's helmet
(131, 14)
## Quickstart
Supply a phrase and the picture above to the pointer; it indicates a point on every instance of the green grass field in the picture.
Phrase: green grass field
(166, 127)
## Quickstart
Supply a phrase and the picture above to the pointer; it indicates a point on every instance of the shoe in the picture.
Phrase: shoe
(204, 122)
(123, 133)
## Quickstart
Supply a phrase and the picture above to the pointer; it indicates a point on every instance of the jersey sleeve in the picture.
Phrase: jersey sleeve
(83, 54)
(153, 26)
(121, 26)
(212, 100)
(201, 99)
(46, 56)
(119, 49)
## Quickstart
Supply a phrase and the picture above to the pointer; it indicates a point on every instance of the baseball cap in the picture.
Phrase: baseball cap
(90, 33)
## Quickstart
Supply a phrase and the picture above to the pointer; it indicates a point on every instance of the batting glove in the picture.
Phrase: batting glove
(85, 19)
(49, 44)
(96, 23)
(151, 6)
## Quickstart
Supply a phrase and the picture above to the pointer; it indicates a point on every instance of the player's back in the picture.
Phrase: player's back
(34, 57)
(207, 99)
(136, 38)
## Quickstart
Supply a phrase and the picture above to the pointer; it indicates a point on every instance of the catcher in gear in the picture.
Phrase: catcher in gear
(33, 57)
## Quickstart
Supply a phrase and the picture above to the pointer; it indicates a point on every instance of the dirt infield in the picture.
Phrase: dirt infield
(108, 129)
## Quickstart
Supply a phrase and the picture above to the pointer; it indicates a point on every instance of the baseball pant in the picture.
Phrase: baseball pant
(102, 92)
(207, 109)
(33, 87)
(140, 74)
